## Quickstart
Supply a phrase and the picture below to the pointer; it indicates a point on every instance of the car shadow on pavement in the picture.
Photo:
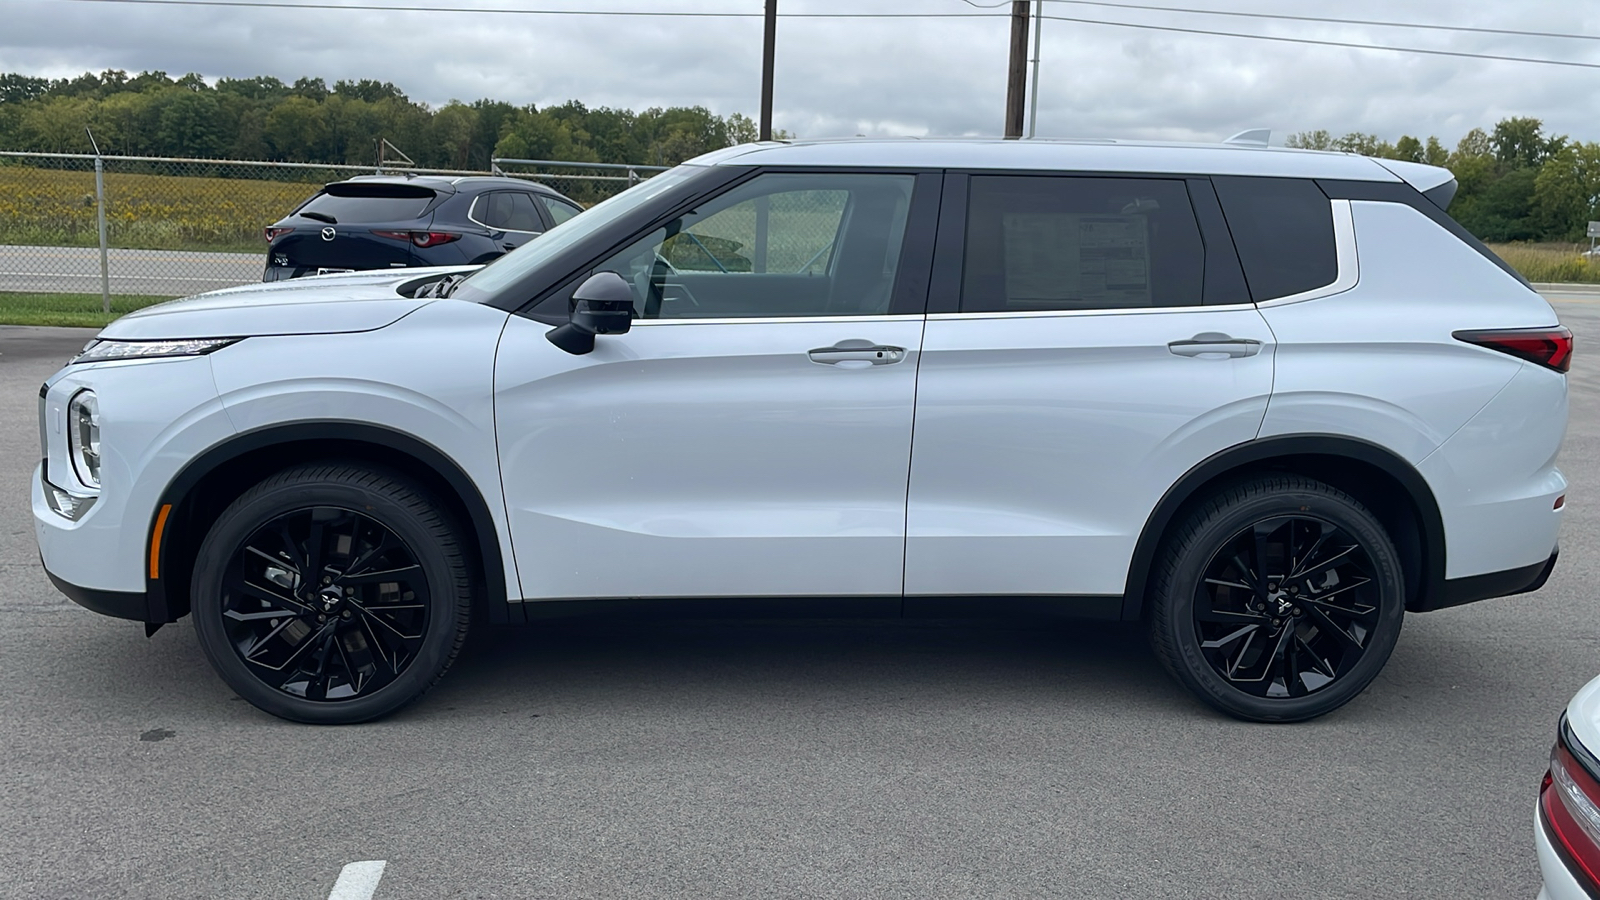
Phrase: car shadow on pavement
(806, 663)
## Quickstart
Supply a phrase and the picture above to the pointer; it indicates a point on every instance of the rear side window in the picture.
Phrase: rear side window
(360, 208)
(1073, 243)
(560, 211)
(1283, 230)
(507, 210)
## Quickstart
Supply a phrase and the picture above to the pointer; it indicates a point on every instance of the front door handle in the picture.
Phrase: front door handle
(1215, 345)
(857, 354)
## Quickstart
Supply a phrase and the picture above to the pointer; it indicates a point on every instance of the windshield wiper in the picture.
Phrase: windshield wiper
(320, 217)
(444, 287)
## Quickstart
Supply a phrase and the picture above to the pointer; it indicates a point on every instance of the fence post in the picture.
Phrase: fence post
(100, 213)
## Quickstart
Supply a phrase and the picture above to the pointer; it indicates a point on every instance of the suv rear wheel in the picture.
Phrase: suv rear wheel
(1278, 600)
(331, 594)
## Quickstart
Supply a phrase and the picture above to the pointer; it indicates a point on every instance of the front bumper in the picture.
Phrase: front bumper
(116, 604)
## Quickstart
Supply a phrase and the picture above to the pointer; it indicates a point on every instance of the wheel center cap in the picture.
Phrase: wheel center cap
(330, 598)
(1283, 605)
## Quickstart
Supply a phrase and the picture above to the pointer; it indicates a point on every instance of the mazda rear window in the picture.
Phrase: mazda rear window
(356, 208)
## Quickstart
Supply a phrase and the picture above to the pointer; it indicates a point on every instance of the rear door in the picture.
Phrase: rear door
(751, 435)
(511, 217)
(1087, 344)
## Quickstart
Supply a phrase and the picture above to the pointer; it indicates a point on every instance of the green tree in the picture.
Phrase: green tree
(1519, 143)
(190, 124)
(296, 130)
(1310, 140)
(1567, 191)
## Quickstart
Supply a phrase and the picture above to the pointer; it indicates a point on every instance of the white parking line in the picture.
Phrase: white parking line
(358, 880)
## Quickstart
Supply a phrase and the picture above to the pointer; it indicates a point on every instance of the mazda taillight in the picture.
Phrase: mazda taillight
(273, 233)
(421, 238)
(1549, 347)
(1569, 806)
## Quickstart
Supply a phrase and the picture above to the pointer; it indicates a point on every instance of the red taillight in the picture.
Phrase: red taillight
(273, 233)
(433, 238)
(1549, 347)
(421, 238)
(1569, 802)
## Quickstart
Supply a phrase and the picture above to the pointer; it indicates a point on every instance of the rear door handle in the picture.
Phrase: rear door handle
(1215, 345)
(856, 354)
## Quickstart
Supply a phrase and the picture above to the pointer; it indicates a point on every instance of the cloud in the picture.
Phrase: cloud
(875, 76)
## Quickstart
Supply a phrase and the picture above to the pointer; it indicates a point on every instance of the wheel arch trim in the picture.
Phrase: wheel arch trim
(1264, 450)
(479, 518)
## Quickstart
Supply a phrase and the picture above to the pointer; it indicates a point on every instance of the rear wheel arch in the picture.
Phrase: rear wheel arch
(212, 480)
(1386, 484)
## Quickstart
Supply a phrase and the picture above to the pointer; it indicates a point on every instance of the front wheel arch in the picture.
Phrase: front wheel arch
(213, 479)
(1388, 485)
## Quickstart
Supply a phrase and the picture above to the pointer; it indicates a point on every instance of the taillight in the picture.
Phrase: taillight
(1549, 347)
(421, 238)
(1569, 802)
(274, 233)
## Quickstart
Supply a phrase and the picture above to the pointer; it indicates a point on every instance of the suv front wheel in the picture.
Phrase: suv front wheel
(331, 594)
(1277, 600)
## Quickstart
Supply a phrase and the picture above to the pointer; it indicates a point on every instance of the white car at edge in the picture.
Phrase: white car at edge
(1264, 401)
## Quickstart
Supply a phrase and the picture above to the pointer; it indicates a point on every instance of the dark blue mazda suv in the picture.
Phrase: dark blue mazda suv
(395, 221)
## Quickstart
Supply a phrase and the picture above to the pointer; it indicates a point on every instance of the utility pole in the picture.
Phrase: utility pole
(767, 50)
(1033, 92)
(1017, 76)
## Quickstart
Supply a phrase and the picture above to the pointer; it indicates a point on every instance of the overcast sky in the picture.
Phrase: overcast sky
(886, 76)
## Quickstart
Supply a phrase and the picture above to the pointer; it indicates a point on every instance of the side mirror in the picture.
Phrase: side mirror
(603, 304)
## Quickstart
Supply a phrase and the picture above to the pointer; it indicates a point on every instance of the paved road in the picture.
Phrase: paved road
(160, 273)
(793, 759)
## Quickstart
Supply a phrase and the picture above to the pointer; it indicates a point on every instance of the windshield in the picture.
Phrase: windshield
(510, 268)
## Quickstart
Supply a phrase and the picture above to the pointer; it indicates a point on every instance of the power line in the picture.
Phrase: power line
(263, 4)
(1320, 43)
(1425, 26)
(374, 7)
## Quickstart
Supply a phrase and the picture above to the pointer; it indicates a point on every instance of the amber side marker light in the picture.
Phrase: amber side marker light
(155, 540)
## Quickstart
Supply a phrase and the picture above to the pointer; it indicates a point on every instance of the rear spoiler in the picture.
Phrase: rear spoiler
(1436, 183)
(379, 189)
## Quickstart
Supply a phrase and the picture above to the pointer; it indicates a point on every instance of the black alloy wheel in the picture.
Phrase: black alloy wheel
(325, 603)
(1286, 606)
(331, 594)
(1279, 600)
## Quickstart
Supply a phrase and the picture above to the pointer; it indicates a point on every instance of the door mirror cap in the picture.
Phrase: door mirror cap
(603, 304)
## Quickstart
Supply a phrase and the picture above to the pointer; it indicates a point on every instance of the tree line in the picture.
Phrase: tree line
(1515, 182)
(263, 118)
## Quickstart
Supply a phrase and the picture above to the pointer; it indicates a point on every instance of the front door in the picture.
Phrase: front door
(751, 435)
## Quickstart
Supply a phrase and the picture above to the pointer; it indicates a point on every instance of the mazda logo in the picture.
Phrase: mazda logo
(327, 233)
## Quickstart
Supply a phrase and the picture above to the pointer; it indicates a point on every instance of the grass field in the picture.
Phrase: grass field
(1553, 263)
(54, 207)
(67, 309)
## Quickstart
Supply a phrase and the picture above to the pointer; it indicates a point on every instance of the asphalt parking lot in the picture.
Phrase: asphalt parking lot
(818, 758)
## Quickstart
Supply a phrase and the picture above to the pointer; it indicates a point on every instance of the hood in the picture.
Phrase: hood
(324, 304)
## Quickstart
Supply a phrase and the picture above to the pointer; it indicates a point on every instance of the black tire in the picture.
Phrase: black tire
(1289, 647)
(332, 593)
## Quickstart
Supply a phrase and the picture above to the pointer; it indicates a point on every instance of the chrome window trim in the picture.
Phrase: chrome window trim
(472, 213)
(775, 320)
(1344, 243)
(1077, 313)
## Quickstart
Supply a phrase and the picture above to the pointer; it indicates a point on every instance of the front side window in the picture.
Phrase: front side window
(808, 244)
(1039, 243)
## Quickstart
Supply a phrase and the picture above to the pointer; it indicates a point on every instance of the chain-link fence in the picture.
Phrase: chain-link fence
(80, 231)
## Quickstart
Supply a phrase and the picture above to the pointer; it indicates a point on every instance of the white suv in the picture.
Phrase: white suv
(1265, 401)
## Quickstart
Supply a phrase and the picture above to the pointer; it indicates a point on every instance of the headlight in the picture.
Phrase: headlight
(99, 351)
(83, 436)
